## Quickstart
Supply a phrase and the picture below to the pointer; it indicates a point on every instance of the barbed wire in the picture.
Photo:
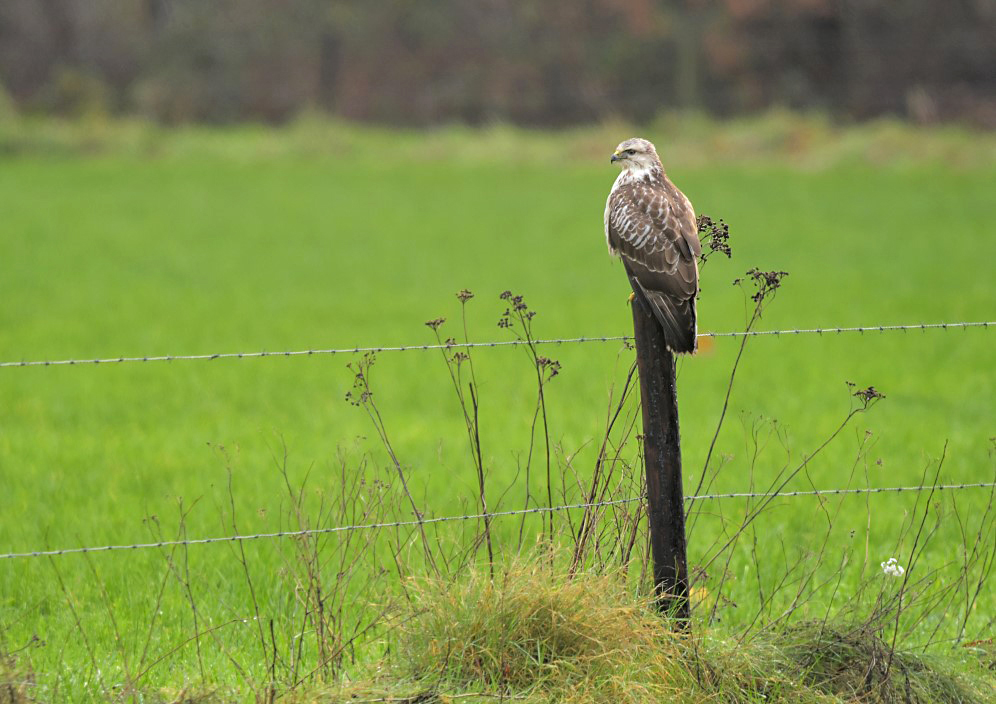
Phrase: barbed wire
(474, 516)
(495, 343)
(315, 531)
(835, 492)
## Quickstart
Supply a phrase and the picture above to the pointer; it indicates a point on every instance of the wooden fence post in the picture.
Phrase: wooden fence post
(662, 459)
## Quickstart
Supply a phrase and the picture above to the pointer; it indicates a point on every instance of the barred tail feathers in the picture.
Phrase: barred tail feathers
(676, 316)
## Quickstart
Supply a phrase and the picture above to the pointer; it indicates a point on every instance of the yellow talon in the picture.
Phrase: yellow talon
(632, 295)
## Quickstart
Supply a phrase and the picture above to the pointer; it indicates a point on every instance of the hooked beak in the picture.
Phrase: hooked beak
(616, 156)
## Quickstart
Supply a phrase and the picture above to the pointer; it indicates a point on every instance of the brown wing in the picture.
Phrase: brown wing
(653, 229)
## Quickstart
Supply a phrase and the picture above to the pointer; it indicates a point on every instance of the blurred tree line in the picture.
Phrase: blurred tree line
(541, 62)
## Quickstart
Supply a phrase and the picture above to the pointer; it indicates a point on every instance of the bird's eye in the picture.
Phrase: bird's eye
(629, 152)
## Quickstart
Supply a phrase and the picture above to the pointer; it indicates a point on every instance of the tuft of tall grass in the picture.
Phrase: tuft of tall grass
(538, 635)
(854, 663)
(531, 628)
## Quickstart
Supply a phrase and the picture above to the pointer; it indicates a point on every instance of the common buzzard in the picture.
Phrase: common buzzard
(651, 226)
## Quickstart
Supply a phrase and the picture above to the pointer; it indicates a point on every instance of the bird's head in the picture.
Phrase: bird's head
(636, 154)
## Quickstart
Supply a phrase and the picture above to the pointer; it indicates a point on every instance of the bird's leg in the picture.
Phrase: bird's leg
(634, 295)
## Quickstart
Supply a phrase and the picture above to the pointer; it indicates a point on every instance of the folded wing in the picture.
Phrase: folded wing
(653, 230)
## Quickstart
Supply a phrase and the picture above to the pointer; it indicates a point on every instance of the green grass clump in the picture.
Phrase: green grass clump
(856, 663)
(530, 629)
(540, 635)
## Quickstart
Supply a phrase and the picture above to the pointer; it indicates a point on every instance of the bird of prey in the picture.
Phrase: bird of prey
(651, 226)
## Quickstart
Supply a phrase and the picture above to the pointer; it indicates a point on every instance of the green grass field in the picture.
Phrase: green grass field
(127, 241)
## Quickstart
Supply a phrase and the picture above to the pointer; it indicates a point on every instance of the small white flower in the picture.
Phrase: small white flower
(892, 568)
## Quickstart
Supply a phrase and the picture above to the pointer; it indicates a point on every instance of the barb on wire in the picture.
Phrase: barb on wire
(493, 514)
(467, 345)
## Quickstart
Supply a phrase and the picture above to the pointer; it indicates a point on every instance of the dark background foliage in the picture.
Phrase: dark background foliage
(532, 62)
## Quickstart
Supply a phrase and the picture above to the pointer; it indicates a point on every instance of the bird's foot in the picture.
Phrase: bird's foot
(631, 297)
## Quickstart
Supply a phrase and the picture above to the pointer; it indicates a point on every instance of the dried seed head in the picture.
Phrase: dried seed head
(766, 282)
(869, 394)
(714, 236)
(551, 366)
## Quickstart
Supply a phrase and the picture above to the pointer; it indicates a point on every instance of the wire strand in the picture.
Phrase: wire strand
(495, 514)
(495, 343)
